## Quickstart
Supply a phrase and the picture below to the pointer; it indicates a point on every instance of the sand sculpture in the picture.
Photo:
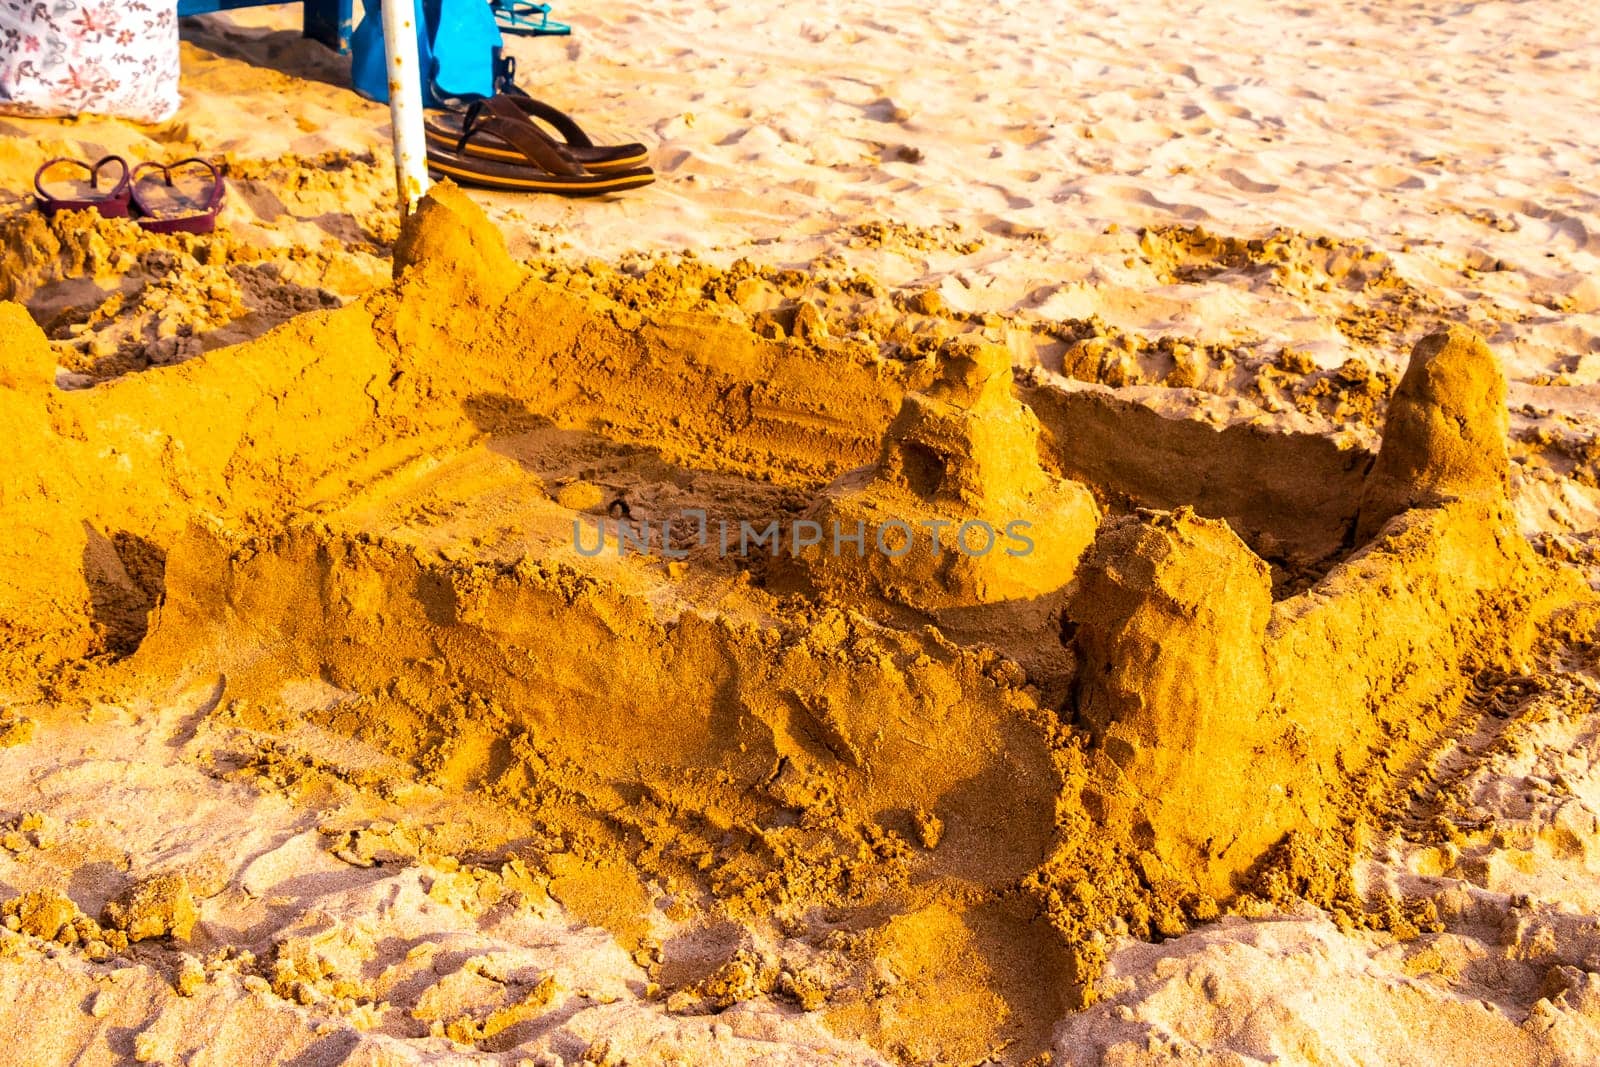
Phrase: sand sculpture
(368, 504)
(958, 507)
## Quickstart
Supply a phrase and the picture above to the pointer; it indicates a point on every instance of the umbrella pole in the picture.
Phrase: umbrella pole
(405, 101)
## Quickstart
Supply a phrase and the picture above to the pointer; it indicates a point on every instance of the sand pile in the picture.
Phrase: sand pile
(474, 524)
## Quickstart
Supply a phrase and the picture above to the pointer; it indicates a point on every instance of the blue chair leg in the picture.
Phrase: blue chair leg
(329, 21)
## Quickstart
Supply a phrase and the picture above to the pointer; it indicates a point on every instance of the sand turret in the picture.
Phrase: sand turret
(1172, 613)
(448, 233)
(1161, 579)
(957, 511)
(1445, 435)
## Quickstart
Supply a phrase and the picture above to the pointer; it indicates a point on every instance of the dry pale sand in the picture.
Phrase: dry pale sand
(1299, 193)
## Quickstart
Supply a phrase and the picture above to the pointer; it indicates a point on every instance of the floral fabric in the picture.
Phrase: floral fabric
(70, 57)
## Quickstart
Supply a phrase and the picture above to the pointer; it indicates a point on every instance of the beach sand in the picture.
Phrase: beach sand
(323, 742)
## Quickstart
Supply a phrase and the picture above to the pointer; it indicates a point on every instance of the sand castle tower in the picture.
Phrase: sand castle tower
(1445, 434)
(1172, 613)
(957, 511)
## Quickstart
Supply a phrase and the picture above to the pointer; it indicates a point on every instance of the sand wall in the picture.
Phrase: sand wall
(746, 720)
(1291, 495)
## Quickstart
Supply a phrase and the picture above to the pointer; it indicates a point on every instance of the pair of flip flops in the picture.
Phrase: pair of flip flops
(505, 142)
(181, 197)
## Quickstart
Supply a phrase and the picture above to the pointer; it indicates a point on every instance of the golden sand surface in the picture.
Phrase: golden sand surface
(342, 725)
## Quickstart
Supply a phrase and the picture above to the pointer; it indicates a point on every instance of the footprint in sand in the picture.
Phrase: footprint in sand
(1224, 110)
(1560, 224)
(1391, 177)
(669, 162)
(1013, 201)
(884, 109)
(756, 136)
(1003, 227)
(1130, 194)
(1028, 134)
(1243, 182)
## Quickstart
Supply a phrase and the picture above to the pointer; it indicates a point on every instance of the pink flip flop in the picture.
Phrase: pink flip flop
(112, 203)
(164, 206)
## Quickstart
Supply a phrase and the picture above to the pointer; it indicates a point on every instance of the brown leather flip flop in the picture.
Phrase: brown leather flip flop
(446, 127)
(112, 202)
(542, 166)
(165, 206)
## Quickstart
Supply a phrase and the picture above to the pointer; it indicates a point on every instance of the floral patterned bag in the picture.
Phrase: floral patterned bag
(70, 57)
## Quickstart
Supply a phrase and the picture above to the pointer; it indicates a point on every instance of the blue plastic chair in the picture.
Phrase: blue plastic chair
(328, 21)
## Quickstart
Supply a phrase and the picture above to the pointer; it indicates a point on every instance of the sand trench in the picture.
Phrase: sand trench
(943, 781)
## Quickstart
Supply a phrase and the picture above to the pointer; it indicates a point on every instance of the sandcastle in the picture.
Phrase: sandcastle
(366, 505)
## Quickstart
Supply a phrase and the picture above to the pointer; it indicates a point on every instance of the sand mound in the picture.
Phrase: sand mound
(451, 521)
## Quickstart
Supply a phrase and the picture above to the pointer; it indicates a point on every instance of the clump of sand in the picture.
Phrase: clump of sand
(161, 906)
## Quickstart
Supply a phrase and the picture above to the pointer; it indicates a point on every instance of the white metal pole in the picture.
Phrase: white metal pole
(405, 101)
